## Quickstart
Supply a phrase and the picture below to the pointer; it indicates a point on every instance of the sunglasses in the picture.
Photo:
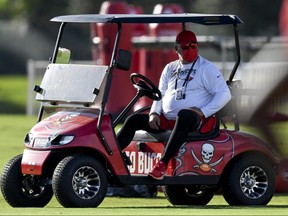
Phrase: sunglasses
(187, 46)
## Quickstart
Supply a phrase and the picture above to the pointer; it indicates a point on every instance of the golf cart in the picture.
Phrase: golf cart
(72, 152)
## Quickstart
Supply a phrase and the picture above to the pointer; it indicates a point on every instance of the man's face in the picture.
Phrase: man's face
(188, 52)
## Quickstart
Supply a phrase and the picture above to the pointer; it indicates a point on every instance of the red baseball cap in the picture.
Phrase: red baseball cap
(185, 37)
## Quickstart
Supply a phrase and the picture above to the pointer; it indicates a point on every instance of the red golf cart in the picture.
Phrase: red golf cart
(72, 152)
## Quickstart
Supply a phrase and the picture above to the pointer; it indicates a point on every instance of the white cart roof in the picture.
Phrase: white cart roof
(204, 19)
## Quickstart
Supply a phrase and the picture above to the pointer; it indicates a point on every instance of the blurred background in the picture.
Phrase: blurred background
(27, 40)
(26, 32)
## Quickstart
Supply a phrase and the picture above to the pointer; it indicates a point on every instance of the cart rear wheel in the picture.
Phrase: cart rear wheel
(23, 190)
(251, 181)
(79, 181)
(188, 194)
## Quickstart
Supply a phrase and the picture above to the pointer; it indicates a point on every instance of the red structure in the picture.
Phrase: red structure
(138, 30)
(283, 18)
(102, 52)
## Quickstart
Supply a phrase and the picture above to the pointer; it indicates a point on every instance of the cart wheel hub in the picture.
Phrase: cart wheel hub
(86, 182)
(254, 182)
(250, 182)
(81, 182)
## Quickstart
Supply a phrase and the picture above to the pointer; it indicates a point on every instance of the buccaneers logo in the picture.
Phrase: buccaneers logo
(60, 121)
(207, 154)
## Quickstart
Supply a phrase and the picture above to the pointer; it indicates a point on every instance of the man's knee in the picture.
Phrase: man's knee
(188, 117)
(186, 113)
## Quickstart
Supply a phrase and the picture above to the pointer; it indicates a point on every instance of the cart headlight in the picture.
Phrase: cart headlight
(62, 140)
(53, 140)
(40, 142)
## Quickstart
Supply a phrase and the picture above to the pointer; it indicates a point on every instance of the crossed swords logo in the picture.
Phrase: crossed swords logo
(206, 167)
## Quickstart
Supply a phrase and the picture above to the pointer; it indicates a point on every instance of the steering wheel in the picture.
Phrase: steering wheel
(145, 86)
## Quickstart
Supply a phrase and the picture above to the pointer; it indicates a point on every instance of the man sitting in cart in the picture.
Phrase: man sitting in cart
(193, 89)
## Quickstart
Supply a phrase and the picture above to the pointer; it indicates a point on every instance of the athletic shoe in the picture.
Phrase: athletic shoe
(158, 170)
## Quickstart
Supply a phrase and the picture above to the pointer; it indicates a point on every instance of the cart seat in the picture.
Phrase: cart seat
(143, 136)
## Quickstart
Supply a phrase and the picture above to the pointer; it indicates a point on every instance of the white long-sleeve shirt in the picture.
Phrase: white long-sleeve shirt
(206, 88)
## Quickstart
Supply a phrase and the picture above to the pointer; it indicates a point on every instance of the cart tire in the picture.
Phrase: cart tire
(19, 190)
(249, 181)
(188, 194)
(79, 181)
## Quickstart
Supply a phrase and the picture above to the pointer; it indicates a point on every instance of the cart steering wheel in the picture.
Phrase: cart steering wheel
(145, 86)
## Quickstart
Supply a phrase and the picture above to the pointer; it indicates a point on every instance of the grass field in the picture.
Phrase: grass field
(14, 125)
(155, 206)
(13, 94)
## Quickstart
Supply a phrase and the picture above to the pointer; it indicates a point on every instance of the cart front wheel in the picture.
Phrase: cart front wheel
(20, 190)
(79, 181)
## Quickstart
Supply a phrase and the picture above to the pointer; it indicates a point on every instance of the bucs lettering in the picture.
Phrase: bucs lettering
(142, 162)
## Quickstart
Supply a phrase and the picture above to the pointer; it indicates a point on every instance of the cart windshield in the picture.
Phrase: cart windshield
(71, 83)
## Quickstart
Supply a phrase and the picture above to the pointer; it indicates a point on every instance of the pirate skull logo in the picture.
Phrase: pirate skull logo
(207, 152)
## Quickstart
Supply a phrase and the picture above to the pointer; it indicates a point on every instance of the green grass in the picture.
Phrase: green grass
(13, 130)
(13, 94)
(155, 206)
(13, 127)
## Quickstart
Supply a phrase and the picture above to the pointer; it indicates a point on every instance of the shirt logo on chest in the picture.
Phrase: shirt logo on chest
(186, 75)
